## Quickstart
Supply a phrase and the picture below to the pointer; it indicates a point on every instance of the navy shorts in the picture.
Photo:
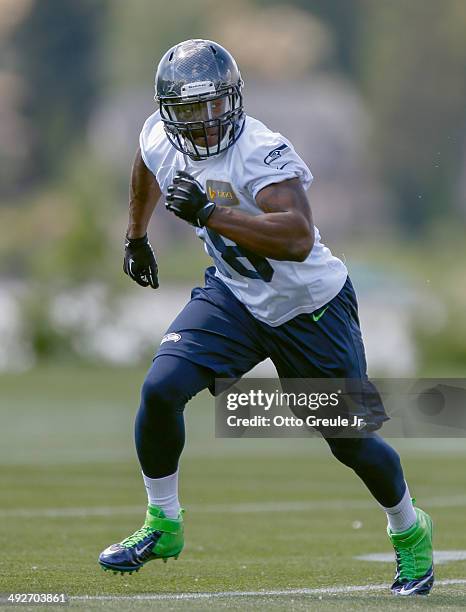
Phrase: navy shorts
(217, 331)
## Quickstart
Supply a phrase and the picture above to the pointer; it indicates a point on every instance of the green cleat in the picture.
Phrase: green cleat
(414, 557)
(158, 538)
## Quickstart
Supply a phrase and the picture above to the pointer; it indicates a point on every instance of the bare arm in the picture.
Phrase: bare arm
(285, 232)
(144, 193)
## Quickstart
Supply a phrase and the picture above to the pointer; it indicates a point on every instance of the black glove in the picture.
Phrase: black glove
(139, 263)
(188, 200)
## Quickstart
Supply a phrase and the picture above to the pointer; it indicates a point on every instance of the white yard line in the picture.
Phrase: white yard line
(275, 593)
(238, 508)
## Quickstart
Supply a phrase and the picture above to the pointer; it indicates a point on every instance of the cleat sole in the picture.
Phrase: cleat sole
(120, 570)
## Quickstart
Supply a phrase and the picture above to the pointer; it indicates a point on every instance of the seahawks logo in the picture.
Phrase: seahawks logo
(275, 154)
(171, 337)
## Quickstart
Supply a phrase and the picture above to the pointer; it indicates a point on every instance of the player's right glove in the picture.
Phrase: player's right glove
(187, 199)
(139, 263)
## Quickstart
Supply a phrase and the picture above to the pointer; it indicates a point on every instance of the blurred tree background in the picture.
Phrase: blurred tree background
(373, 94)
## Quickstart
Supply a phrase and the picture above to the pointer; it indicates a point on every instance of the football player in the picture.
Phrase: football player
(274, 291)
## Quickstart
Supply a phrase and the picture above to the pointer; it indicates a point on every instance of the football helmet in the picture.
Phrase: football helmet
(198, 87)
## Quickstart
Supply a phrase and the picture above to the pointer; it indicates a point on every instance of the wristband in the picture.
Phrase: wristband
(136, 242)
(205, 212)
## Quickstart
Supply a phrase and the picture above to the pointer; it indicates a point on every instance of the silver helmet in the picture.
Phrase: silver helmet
(198, 88)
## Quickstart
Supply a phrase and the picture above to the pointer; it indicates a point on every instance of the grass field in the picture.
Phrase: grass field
(278, 519)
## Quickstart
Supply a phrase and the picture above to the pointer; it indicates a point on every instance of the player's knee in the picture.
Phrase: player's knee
(170, 384)
(160, 393)
(367, 452)
(347, 451)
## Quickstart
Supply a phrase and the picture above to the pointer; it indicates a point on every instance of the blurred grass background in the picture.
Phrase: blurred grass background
(260, 514)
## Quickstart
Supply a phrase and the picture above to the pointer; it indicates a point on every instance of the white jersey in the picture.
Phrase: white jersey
(273, 291)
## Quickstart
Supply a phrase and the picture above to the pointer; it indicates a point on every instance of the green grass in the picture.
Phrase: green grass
(66, 443)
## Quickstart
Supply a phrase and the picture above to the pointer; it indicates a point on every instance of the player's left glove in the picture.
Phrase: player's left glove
(188, 200)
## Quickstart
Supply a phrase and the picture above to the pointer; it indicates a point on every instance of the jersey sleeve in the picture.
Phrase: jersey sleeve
(153, 142)
(272, 159)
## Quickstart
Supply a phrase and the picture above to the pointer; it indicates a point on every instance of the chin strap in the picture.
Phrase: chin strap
(203, 150)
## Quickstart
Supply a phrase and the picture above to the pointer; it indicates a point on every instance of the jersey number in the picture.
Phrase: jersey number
(232, 254)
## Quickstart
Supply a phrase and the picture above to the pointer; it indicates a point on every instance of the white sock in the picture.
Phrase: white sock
(163, 493)
(402, 516)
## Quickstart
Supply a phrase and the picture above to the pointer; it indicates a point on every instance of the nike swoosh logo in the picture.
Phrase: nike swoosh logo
(405, 591)
(321, 314)
(140, 551)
